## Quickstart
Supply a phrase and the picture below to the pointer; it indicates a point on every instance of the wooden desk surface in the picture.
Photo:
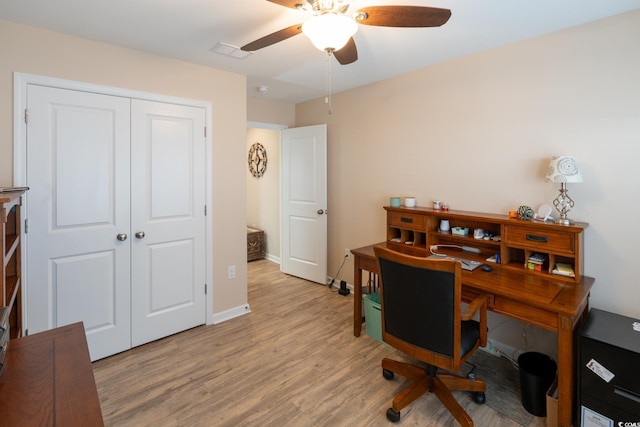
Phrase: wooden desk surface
(48, 380)
(552, 295)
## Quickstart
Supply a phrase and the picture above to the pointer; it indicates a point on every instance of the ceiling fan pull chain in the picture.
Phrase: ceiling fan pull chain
(327, 98)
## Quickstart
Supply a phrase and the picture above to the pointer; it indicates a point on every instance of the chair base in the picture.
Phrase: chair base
(425, 380)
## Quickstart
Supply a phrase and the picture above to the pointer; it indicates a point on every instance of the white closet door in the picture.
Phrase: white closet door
(168, 219)
(78, 203)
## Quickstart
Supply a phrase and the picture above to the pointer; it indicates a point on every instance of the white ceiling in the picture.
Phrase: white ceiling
(293, 69)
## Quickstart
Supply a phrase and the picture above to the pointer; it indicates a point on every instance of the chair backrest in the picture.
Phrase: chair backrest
(420, 303)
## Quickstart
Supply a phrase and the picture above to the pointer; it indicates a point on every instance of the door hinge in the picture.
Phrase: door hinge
(26, 115)
(205, 210)
(26, 226)
(205, 289)
(205, 131)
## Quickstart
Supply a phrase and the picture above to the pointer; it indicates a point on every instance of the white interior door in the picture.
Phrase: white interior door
(304, 202)
(168, 219)
(78, 203)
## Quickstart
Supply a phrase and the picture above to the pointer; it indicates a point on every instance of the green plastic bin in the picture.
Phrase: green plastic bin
(372, 317)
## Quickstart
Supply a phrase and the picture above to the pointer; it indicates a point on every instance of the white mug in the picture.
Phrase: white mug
(410, 202)
(444, 225)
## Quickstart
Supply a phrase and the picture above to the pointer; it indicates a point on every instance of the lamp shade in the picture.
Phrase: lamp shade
(563, 169)
(329, 31)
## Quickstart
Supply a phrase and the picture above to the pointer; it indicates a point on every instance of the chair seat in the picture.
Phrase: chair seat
(470, 334)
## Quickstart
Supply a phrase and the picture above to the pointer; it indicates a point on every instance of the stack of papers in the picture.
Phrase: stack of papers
(564, 270)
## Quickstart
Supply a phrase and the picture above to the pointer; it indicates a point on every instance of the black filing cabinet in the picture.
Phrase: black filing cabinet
(608, 370)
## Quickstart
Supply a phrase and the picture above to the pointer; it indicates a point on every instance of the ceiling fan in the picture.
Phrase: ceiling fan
(331, 27)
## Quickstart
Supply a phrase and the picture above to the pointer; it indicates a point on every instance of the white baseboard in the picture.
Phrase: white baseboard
(229, 314)
(272, 258)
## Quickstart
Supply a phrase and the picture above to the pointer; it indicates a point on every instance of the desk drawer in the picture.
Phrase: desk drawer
(539, 240)
(469, 295)
(527, 313)
(406, 220)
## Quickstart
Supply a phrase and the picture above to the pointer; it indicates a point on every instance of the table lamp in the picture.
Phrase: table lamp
(563, 169)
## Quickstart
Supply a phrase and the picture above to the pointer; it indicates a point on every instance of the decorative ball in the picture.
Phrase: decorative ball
(525, 213)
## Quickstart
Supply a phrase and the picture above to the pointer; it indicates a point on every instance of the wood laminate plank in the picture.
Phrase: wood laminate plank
(292, 361)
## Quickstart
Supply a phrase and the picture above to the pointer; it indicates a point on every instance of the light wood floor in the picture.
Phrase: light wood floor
(293, 361)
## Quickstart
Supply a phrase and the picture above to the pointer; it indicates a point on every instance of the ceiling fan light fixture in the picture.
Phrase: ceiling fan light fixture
(329, 31)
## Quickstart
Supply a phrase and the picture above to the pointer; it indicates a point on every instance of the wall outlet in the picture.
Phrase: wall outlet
(347, 253)
(231, 272)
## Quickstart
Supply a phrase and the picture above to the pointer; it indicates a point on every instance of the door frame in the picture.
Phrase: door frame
(281, 128)
(20, 83)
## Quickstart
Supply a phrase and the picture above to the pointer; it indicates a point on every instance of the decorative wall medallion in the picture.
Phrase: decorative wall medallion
(257, 160)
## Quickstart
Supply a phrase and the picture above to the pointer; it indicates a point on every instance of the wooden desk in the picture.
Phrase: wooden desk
(48, 380)
(553, 305)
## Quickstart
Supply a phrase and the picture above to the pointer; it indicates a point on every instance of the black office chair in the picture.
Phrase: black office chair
(420, 302)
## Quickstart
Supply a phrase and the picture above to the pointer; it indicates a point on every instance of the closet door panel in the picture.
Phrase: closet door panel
(168, 202)
(78, 157)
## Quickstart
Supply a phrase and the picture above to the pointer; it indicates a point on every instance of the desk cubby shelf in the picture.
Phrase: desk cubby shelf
(415, 230)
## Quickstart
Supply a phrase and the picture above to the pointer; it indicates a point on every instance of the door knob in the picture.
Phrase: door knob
(320, 211)
(140, 234)
(122, 237)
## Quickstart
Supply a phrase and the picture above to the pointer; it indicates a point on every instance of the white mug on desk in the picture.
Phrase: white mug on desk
(444, 226)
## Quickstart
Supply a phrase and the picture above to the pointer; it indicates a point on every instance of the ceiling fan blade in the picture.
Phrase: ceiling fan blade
(348, 53)
(273, 38)
(288, 3)
(404, 16)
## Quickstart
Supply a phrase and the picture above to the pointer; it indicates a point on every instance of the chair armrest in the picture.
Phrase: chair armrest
(479, 304)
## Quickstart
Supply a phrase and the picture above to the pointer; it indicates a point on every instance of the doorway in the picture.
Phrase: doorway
(306, 257)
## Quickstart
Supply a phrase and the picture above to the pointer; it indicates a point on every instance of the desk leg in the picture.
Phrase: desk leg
(566, 381)
(357, 298)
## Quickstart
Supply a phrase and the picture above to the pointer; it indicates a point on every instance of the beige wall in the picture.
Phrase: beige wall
(263, 194)
(478, 133)
(29, 50)
(271, 112)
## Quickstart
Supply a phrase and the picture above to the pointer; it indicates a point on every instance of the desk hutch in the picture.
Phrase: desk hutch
(539, 296)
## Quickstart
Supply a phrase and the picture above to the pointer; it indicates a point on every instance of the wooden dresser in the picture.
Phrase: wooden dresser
(48, 380)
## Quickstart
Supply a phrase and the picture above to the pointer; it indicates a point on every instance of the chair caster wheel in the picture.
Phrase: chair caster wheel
(478, 397)
(393, 416)
(387, 374)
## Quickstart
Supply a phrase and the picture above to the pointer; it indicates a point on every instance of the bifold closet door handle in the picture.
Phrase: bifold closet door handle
(320, 211)
(122, 237)
(140, 234)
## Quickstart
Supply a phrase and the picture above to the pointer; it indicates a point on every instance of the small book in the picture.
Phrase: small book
(12, 189)
(537, 258)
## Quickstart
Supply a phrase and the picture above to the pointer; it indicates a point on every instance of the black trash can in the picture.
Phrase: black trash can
(537, 372)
